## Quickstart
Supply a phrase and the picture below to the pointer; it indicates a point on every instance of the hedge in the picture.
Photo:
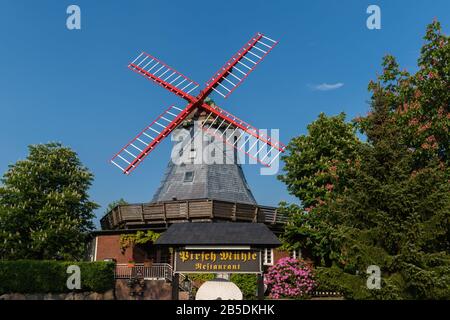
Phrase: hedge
(247, 283)
(354, 287)
(35, 276)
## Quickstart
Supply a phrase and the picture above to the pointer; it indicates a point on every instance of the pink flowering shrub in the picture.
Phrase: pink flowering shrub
(289, 278)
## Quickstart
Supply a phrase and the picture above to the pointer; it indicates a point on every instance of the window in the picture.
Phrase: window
(188, 176)
(192, 154)
(296, 254)
(268, 257)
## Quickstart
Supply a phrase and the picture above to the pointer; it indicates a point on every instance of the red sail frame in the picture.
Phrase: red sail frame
(154, 66)
(135, 160)
(226, 71)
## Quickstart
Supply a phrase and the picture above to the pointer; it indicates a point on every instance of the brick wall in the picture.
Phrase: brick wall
(108, 247)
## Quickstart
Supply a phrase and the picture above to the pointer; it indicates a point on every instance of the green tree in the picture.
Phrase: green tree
(315, 168)
(312, 160)
(421, 102)
(45, 211)
(394, 210)
(114, 204)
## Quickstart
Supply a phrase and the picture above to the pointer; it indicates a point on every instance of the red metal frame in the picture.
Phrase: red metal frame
(198, 102)
(232, 62)
(164, 133)
(161, 82)
(227, 142)
(244, 126)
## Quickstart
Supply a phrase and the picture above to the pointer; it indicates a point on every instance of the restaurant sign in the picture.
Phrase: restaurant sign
(218, 261)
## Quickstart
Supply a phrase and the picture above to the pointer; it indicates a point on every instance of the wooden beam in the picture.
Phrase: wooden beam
(142, 212)
(260, 280)
(164, 212)
(119, 211)
(255, 218)
(187, 209)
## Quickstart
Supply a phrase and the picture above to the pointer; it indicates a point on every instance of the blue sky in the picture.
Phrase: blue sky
(74, 87)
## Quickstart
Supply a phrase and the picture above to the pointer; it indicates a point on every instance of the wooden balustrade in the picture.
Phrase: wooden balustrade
(162, 214)
(157, 271)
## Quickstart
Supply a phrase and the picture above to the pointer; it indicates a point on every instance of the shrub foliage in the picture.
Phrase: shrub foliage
(33, 276)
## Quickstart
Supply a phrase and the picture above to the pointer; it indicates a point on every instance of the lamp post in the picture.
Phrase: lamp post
(187, 285)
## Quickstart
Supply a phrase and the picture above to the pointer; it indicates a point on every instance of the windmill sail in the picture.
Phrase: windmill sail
(167, 77)
(132, 154)
(234, 72)
(224, 82)
(251, 141)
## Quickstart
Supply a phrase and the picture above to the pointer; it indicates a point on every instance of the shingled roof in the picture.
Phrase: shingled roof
(220, 233)
(211, 180)
(224, 182)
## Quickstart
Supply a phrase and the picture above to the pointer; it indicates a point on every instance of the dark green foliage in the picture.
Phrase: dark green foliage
(32, 276)
(140, 238)
(247, 283)
(354, 286)
(393, 207)
(311, 164)
(45, 211)
(199, 278)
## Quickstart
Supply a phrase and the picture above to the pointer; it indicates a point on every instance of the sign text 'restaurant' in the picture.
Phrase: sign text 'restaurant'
(218, 261)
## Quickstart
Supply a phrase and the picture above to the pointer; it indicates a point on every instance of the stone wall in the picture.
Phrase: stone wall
(108, 295)
(151, 290)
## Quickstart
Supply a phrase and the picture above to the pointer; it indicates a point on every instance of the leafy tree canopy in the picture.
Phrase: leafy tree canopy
(45, 211)
(312, 161)
(392, 209)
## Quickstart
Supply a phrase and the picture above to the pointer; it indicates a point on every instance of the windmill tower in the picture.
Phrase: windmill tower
(208, 171)
(215, 188)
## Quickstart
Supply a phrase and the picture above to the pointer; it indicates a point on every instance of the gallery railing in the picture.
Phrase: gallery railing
(157, 271)
(165, 213)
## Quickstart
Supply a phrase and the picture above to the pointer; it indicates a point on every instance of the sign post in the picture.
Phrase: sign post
(260, 284)
(175, 285)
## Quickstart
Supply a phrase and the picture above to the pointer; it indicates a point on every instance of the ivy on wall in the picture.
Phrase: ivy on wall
(140, 237)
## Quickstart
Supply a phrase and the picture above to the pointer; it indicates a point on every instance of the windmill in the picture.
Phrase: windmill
(224, 82)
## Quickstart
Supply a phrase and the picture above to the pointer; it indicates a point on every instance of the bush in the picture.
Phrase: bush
(247, 283)
(336, 280)
(35, 276)
(354, 287)
(290, 278)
